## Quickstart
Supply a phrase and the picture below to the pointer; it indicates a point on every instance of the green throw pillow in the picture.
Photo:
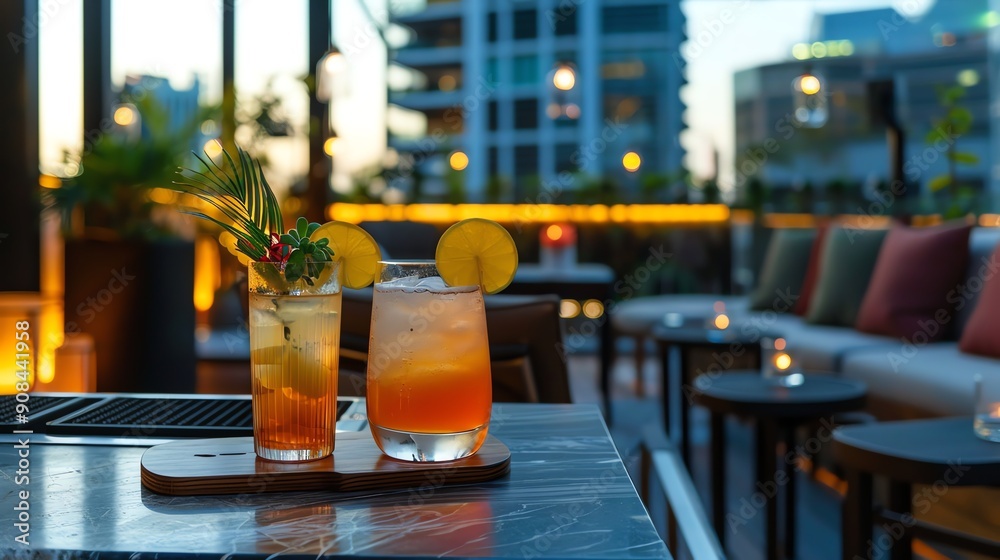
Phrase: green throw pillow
(784, 269)
(846, 264)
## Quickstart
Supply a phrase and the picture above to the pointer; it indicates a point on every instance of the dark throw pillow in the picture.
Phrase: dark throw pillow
(812, 273)
(784, 268)
(982, 331)
(916, 269)
(846, 265)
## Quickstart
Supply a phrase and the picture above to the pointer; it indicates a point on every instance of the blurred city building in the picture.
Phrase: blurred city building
(821, 116)
(179, 106)
(513, 94)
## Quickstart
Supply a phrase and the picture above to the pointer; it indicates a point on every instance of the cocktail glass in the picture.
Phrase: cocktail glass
(429, 382)
(294, 353)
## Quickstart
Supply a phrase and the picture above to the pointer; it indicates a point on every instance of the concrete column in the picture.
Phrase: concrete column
(476, 90)
(318, 180)
(546, 61)
(589, 79)
(19, 234)
(96, 64)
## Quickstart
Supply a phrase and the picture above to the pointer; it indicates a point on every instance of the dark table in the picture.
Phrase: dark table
(567, 496)
(942, 450)
(778, 410)
(581, 282)
(689, 335)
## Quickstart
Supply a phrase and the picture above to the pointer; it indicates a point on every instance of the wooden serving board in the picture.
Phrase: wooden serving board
(230, 466)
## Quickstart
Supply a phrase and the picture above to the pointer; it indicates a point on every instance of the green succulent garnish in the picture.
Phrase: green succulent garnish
(240, 192)
(306, 257)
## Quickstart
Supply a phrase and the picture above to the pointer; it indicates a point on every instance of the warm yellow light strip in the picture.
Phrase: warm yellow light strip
(789, 220)
(861, 221)
(742, 217)
(926, 221)
(532, 213)
(989, 220)
(206, 272)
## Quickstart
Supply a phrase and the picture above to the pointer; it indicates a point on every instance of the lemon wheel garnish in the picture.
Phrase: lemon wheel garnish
(477, 252)
(356, 250)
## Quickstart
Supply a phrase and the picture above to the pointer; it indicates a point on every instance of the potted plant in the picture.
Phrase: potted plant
(128, 270)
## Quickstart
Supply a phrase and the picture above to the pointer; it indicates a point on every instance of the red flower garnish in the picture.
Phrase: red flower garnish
(278, 252)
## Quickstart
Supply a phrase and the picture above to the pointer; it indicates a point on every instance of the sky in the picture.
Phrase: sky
(181, 39)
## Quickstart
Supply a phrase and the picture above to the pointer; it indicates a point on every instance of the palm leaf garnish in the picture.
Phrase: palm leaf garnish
(240, 193)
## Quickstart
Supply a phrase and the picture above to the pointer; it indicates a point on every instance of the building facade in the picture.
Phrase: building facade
(528, 93)
(857, 58)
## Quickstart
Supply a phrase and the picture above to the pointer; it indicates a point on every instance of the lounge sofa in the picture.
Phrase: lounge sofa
(906, 380)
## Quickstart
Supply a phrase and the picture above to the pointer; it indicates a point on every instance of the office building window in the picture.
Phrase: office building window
(525, 161)
(492, 71)
(634, 19)
(525, 24)
(565, 154)
(526, 114)
(492, 115)
(491, 27)
(493, 161)
(564, 24)
(526, 69)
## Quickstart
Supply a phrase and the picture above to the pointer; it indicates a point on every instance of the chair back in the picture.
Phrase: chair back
(525, 337)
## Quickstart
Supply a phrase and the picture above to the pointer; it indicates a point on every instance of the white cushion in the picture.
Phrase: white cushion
(908, 382)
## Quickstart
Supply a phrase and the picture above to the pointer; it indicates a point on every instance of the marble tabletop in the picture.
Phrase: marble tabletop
(567, 496)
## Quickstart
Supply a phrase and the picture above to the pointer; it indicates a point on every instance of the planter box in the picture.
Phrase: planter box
(136, 300)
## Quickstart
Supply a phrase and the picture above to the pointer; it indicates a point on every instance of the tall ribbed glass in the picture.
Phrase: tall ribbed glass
(294, 354)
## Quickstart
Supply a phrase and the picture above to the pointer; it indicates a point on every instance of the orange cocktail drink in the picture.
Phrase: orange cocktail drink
(429, 382)
(294, 351)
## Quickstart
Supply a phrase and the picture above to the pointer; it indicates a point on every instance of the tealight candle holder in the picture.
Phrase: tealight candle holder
(719, 321)
(986, 422)
(776, 362)
(673, 320)
(558, 246)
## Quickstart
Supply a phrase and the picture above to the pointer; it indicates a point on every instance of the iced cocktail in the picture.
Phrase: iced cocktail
(429, 382)
(294, 351)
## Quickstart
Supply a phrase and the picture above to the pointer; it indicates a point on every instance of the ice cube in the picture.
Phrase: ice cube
(291, 309)
(405, 282)
(414, 284)
(432, 283)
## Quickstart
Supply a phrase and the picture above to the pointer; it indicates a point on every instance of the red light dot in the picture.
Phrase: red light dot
(554, 232)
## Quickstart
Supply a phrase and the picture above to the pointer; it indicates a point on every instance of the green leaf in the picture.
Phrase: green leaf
(295, 266)
(240, 193)
(952, 94)
(287, 239)
(302, 226)
(939, 182)
(312, 228)
(964, 157)
(934, 135)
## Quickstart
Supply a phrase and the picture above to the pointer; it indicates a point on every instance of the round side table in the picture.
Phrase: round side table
(779, 407)
(937, 451)
(691, 335)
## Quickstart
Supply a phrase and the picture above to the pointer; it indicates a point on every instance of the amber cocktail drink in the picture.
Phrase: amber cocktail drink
(294, 351)
(429, 383)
